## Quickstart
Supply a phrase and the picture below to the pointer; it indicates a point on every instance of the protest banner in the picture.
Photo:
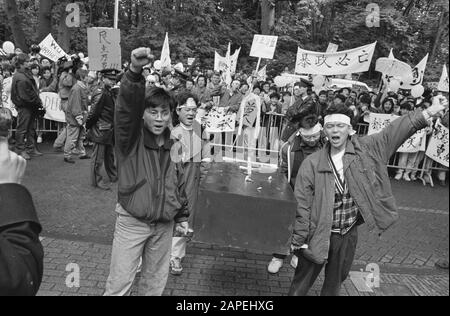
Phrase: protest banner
(6, 96)
(339, 63)
(51, 49)
(417, 74)
(165, 53)
(219, 120)
(263, 46)
(262, 74)
(104, 48)
(52, 104)
(415, 143)
(191, 61)
(220, 63)
(438, 147)
(443, 82)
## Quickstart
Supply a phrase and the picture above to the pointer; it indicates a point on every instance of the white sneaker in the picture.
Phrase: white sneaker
(39, 140)
(275, 265)
(398, 176)
(294, 261)
(406, 177)
(139, 269)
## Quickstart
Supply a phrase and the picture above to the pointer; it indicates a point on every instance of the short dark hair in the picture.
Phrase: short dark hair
(274, 95)
(202, 76)
(81, 74)
(184, 96)
(5, 121)
(339, 109)
(155, 97)
(244, 83)
(323, 92)
(44, 69)
(340, 97)
(20, 59)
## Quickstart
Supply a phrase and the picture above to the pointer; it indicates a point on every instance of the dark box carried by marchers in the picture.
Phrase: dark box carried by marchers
(256, 215)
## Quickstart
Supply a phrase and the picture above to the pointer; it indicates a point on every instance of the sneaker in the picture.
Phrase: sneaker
(84, 157)
(294, 261)
(69, 160)
(406, 177)
(35, 153)
(275, 265)
(25, 155)
(175, 266)
(398, 176)
(139, 268)
(413, 177)
(39, 140)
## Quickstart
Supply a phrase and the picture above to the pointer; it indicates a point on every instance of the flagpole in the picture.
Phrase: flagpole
(257, 65)
(116, 14)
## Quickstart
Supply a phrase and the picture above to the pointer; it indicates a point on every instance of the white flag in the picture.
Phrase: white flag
(165, 53)
(391, 54)
(234, 60)
(262, 74)
(443, 83)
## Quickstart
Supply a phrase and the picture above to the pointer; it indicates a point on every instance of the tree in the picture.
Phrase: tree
(45, 19)
(15, 25)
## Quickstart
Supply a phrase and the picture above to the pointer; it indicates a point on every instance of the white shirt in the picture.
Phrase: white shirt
(339, 163)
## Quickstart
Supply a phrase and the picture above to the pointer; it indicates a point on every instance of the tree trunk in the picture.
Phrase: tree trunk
(63, 32)
(45, 19)
(408, 8)
(15, 25)
(267, 16)
(443, 23)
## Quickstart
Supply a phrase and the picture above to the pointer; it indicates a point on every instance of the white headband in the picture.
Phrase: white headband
(311, 131)
(190, 103)
(338, 118)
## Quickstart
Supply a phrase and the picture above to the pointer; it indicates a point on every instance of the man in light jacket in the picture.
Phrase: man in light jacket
(343, 185)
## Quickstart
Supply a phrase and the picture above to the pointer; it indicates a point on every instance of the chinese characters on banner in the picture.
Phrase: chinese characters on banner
(218, 120)
(415, 143)
(264, 46)
(220, 63)
(51, 49)
(104, 48)
(338, 63)
(438, 148)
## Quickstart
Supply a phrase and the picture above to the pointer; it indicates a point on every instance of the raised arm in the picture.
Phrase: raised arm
(130, 103)
(385, 143)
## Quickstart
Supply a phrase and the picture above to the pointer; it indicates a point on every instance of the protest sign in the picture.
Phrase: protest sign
(251, 106)
(191, 61)
(51, 49)
(220, 63)
(443, 82)
(339, 63)
(6, 96)
(415, 143)
(218, 120)
(417, 74)
(438, 148)
(262, 74)
(52, 104)
(263, 46)
(104, 48)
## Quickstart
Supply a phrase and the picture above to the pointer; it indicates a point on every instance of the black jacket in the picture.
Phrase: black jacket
(21, 252)
(24, 91)
(100, 120)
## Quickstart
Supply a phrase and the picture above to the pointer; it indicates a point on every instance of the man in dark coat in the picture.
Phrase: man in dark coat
(21, 253)
(100, 123)
(25, 96)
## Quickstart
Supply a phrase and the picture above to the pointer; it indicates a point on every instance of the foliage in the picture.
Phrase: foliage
(197, 28)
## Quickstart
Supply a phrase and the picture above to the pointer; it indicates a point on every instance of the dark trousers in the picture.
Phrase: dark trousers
(26, 130)
(340, 259)
(102, 154)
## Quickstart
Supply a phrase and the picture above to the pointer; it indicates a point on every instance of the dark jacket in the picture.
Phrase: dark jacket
(100, 120)
(296, 150)
(24, 91)
(49, 85)
(21, 252)
(151, 186)
(365, 170)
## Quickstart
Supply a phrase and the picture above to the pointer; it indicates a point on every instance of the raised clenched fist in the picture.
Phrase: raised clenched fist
(139, 58)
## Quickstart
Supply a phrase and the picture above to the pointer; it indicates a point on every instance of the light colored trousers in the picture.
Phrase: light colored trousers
(179, 247)
(133, 239)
